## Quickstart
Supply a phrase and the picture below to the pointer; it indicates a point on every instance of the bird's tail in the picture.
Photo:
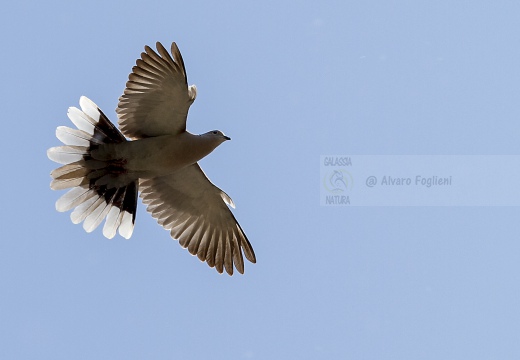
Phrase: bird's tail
(92, 199)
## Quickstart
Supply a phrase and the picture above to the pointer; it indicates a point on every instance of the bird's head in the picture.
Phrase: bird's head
(217, 136)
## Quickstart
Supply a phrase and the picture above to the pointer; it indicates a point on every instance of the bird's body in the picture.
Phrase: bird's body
(159, 155)
(106, 171)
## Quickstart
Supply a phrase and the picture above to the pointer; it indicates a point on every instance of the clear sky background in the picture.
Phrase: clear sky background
(288, 81)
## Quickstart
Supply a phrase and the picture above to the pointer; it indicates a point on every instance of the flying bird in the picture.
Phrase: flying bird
(105, 170)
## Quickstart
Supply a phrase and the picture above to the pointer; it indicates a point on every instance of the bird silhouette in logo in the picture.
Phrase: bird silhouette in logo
(338, 181)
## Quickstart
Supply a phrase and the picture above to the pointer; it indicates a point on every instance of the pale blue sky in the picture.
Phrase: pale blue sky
(288, 81)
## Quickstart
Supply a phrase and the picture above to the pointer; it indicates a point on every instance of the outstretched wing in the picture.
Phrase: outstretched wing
(195, 212)
(157, 97)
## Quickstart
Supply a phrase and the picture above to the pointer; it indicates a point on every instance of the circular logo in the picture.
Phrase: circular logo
(337, 181)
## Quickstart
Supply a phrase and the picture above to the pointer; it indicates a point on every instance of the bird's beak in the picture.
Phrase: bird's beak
(227, 137)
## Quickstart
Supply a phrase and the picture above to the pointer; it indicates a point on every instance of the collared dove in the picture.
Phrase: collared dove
(106, 171)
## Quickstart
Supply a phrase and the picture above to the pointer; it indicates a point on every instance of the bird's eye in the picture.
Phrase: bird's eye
(215, 132)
